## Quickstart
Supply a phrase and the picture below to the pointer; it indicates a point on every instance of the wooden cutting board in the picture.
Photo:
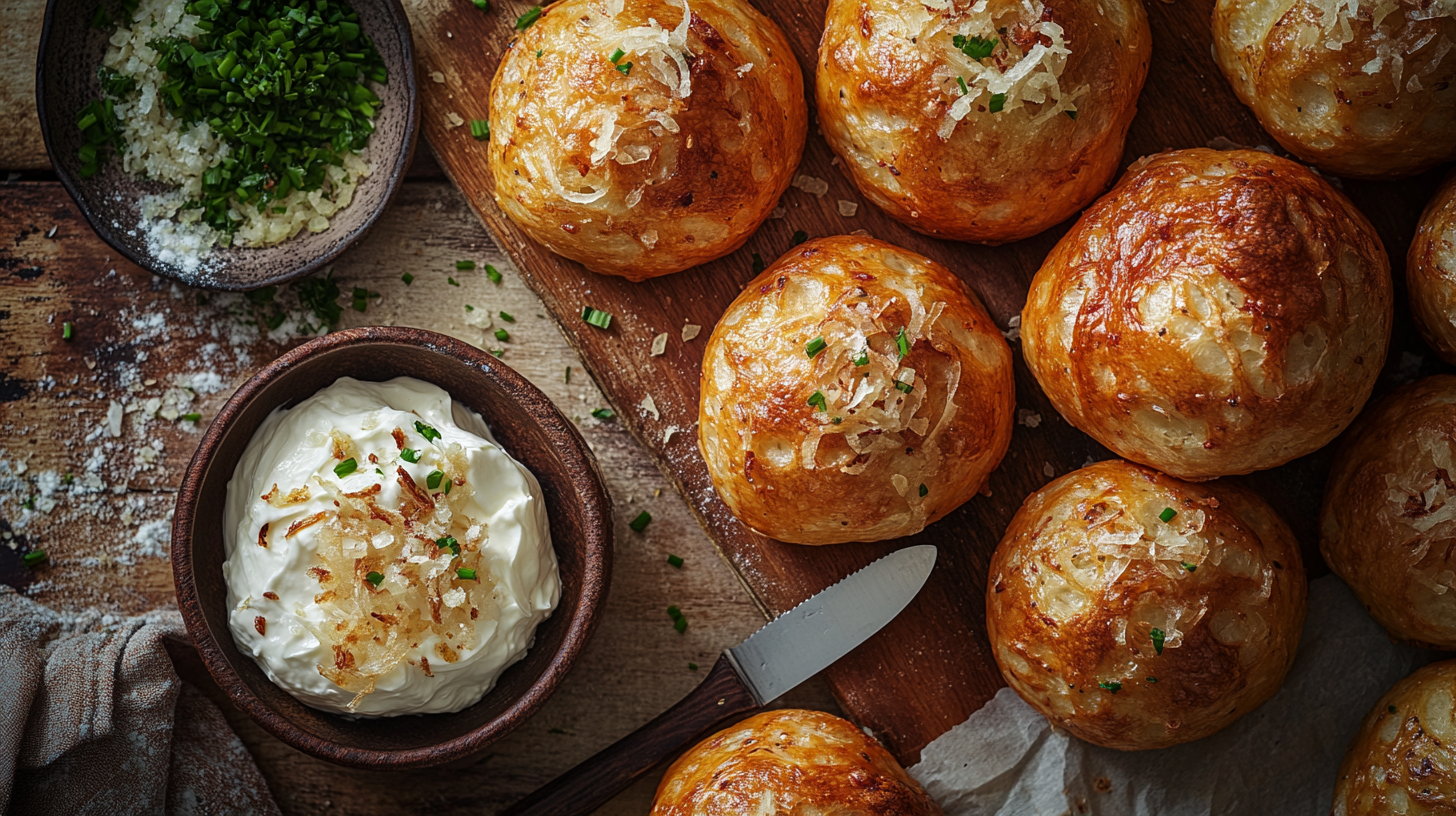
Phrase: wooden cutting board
(932, 667)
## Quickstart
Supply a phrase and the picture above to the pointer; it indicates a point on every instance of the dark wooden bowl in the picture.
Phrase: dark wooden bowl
(65, 81)
(524, 422)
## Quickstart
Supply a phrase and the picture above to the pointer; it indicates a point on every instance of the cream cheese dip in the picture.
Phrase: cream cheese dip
(384, 555)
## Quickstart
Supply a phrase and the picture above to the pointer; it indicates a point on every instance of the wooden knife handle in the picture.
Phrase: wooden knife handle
(586, 787)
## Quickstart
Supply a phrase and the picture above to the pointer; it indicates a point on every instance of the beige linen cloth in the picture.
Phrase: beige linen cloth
(94, 720)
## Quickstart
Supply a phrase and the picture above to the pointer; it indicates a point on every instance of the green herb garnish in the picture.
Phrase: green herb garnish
(1111, 685)
(192, 417)
(492, 273)
(34, 558)
(466, 574)
(681, 624)
(905, 387)
(1167, 515)
(68, 331)
(1190, 567)
(502, 335)
(320, 296)
(977, 48)
(464, 266)
(675, 561)
(528, 19)
(692, 667)
(410, 455)
(674, 613)
(923, 491)
(640, 523)
(346, 467)
(507, 317)
(603, 413)
(617, 55)
(813, 347)
(407, 278)
(448, 543)
(902, 344)
(863, 359)
(998, 101)
(433, 480)
(1071, 114)
(817, 401)
(625, 68)
(962, 82)
(429, 433)
(452, 281)
(1157, 635)
(597, 317)
(374, 578)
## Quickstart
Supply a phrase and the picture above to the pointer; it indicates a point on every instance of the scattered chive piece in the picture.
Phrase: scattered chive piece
(407, 278)
(625, 68)
(346, 467)
(68, 331)
(674, 613)
(1152, 679)
(1167, 515)
(758, 264)
(483, 5)
(433, 480)
(675, 560)
(923, 491)
(902, 344)
(430, 434)
(410, 455)
(568, 375)
(817, 401)
(1071, 114)
(799, 237)
(502, 335)
(617, 55)
(448, 543)
(469, 308)
(603, 413)
(507, 317)
(539, 52)
(466, 574)
(192, 417)
(34, 558)
(452, 281)
(480, 130)
(499, 353)
(490, 272)
(1112, 685)
(1190, 567)
(640, 523)
(68, 478)
(1158, 636)
(448, 484)
(998, 101)
(528, 19)
(977, 48)
(692, 667)
(597, 317)
(465, 266)
(837, 420)
(28, 504)
(904, 386)
(964, 89)
(374, 578)
(681, 624)
(1391, 709)
(813, 347)
(863, 359)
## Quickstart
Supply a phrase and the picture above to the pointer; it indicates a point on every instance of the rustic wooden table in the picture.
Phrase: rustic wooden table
(93, 444)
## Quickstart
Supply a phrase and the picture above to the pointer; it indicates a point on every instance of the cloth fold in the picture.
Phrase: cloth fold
(94, 720)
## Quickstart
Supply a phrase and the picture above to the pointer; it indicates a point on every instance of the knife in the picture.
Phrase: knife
(787, 651)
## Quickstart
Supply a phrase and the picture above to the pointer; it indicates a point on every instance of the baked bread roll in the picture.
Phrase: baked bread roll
(981, 121)
(1430, 272)
(1402, 761)
(1139, 611)
(854, 391)
(1388, 526)
(803, 762)
(655, 159)
(1214, 313)
(1362, 89)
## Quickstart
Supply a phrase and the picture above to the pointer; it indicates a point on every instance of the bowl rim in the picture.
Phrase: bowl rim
(398, 19)
(598, 547)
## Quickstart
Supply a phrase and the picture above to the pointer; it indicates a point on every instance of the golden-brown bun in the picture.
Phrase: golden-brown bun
(871, 461)
(1089, 574)
(649, 173)
(1215, 313)
(1402, 760)
(1389, 521)
(1340, 92)
(1430, 272)
(804, 762)
(887, 94)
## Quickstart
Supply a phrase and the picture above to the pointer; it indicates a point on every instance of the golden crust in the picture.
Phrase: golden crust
(1213, 314)
(1340, 92)
(1087, 572)
(887, 81)
(1402, 760)
(805, 762)
(1388, 526)
(1430, 272)
(682, 178)
(885, 461)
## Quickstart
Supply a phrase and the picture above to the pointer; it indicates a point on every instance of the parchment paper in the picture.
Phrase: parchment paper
(1281, 759)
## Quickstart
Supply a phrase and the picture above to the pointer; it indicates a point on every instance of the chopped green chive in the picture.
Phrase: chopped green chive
(507, 317)
(466, 574)
(374, 578)
(502, 335)
(433, 480)
(692, 667)
(813, 347)
(1167, 515)
(798, 237)
(640, 523)
(681, 624)
(452, 281)
(1391, 709)
(758, 264)
(568, 375)
(597, 317)
(977, 48)
(483, 5)
(28, 504)
(407, 278)
(449, 483)
(68, 331)
(469, 308)
(492, 273)
(1111, 685)
(429, 433)
(528, 19)
(904, 386)
(500, 352)
(863, 359)
(998, 101)
(603, 413)
(410, 455)
(361, 298)
(1190, 567)
(539, 52)
(448, 543)
(817, 401)
(1152, 679)
(617, 55)
(34, 558)
(464, 266)
(674, 613)
(625, 68)
(480, 131)
(962, 82)
(1071, 114)
(923, 491)
(902, 344)
(675, 560)
(192, 417)
(346, 467)
(1158, 636)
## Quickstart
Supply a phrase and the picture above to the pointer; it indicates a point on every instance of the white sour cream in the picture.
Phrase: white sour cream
(293, 448)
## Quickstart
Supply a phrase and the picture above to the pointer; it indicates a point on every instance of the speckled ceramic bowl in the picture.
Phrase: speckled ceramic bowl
(70, 53)
(530, 429)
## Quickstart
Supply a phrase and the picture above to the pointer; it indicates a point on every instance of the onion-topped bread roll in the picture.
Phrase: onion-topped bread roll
(1430, 272)
(1403, 761)
(792, 761)
(1141, 611)
(854, 391)
(981, 120)
(1362, 88)
(1215, 313)
(643, 137)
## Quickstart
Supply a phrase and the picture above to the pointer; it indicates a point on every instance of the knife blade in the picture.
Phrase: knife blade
(787, 651)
